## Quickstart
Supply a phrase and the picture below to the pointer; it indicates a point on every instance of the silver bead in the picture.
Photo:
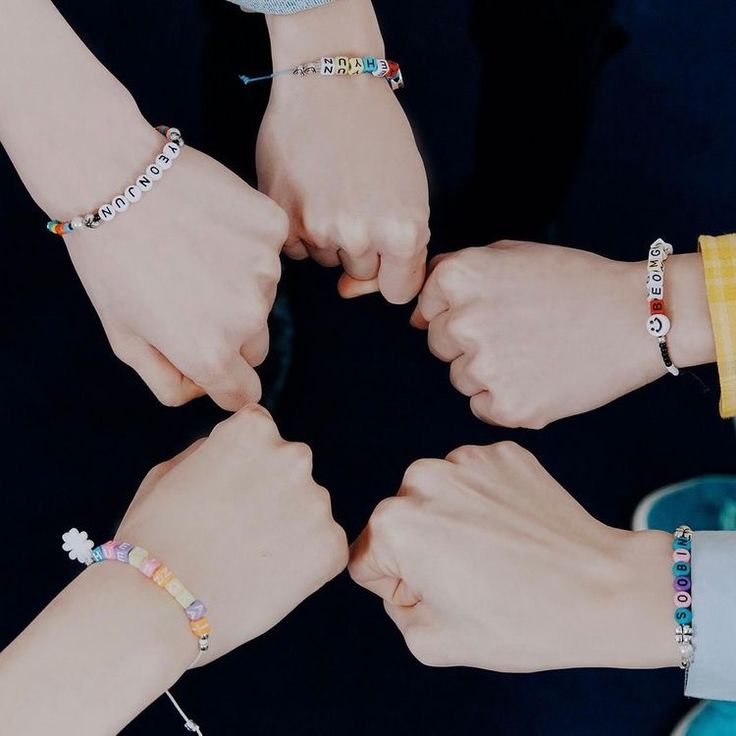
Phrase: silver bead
(92, 220)
(686, 654)
(204, 643)
(172, 133)
(77, 223)
(191, 726)
(397, 82)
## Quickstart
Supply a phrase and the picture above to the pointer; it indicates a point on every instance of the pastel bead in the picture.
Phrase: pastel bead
(342, 64)
(51, 224)
(144, 182)
(106, 212)
(67, 227)
(163, 161)
(174, 587)
(98, 554)
(163, 576)
(680, 569)
(59, 228)
(154, 172)
(196, 610)
(381, 68)
(369, 64)
(682, 583)
(120, 203)
(172, 150)
(355, 65)
(683, 616)
(122, 552)
(149, 566)
(681, 543)
(327, 66)
(184, 598)
(681, 555)
(683, 599)
(201, 627)
(133, 193)
(658, 325)
(136, 557)
(109, 550)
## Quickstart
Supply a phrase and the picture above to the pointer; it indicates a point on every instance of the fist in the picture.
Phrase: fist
(231, 515)
(484, 560)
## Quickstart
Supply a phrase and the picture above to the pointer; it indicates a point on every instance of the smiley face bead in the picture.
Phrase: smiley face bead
(658, 325)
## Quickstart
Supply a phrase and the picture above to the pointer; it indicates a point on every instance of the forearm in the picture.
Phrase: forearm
(108, 645)
(64, 119)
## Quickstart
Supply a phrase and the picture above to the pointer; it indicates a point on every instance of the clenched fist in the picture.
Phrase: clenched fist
(483, 559)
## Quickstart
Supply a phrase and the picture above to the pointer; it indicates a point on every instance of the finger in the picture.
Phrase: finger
(417, 320)
(371, 566)
(462, 376)
(361, 266)
(231, 383)
(295, 249)
(402, 616)
(441, 343)
(481, 404)
(349, 288)
(256, 349)
(431, 300)
(400, 278)
(168, 384)
(321, 252)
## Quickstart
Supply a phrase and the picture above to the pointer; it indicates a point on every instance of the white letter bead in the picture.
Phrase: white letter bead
(327, 66)
(120, 203)
(382, 69)
(133, 193)
(163, 161)
(106, 212)
(172, 150)
(655, 292)
(144, 182)
(658, 325)
(655, 277)
(154, 172)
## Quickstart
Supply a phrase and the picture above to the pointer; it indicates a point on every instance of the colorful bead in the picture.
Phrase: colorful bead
(174, 587)
(683, 616)
(77, 223)
(59, 228)
(184, 598)
(67, 227)
(393, 69)
(109, 550)
(656, 306)
(327, 66)
(149, 566)
(355, 65)
(369, 64)
(682, 543)
(681, 568)
(122, 551)
(201, 627)
(681, 555)
(98, 554)
(381, 68)
(51, 224)
(683, 599)
(341, 64)
(162, 576)
(682, 583)
(136, 557)
(196, 610)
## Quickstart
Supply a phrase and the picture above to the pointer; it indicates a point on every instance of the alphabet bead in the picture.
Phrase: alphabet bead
(120, 203)
(327, 66)
(133, 193)
(106, 212)
(683, 599)
(196, 610)
(683, 616)
(149, 566)
(680, 569)
(122, 551)
(162, 576)
(108, 550)
(163, 161)
(201, 627)
(381, 68)
(681, 543)
(172, 150)
(184, 598)
(98, 554)
(341, 64)
(136, 557)
(154, 172)
(355, 65)
(144, 182)
(369, 64)
(681, 555)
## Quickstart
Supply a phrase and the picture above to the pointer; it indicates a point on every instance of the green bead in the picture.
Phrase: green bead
(51, 224)
(369, 64)
(681, 543)
(683, 616)
(679, 569)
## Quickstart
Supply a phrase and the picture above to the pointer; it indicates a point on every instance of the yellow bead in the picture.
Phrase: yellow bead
(163, 576)
(201, 627)
(136, 556)
(184, 598)
(342, 64)
(175, 586)
(355, 65)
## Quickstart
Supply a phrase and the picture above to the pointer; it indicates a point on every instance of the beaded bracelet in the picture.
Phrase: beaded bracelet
(80, 547)
(658, 323)
(132, 193)
(330, 66)
(682, 571)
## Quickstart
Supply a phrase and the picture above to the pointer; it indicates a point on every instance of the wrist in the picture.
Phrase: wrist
(345, 27)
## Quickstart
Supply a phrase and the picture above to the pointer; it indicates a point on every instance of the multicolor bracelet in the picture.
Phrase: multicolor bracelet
(658, 323)
(330, 66)
(682, 571)
(80, 547)
(131, 194)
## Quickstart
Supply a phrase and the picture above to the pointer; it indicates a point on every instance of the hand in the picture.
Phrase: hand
(537, 332)
(231, 515)
(339, 156)
(484, 560)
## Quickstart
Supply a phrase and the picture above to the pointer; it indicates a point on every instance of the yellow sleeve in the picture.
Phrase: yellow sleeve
(719, 259)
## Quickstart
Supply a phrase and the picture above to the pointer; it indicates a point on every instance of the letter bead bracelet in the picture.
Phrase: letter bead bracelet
(682, 572)
(81, 548)
(330, 66)
(658, 323)
(131, 194)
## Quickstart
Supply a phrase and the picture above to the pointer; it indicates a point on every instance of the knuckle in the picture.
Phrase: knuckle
(467, 454)
(298, 456)
(170, 394)
(386, 516)
(421, 472)
(280, 224)
(508, 450)
(250, 419)
(212, 360)
(317, 226)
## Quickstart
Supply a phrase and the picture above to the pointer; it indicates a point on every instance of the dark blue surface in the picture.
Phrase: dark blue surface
(522, 139)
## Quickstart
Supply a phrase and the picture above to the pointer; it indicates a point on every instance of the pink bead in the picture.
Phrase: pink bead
(149, 566)
(681, 555)
(683, 599)
(109, 549)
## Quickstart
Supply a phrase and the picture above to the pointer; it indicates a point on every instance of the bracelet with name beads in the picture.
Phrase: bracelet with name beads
(131, 194)
(682, 572)
(658, 323)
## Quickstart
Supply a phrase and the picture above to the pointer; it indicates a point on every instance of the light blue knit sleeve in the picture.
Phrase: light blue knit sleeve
(278, 7)
(713, 671)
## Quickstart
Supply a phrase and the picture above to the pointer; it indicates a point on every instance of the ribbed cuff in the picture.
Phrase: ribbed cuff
(278, 7)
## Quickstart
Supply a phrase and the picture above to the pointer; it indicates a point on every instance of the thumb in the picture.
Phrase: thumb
(349, 288)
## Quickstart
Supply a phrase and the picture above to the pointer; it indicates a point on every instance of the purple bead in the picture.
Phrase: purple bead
(122, 551)
(682, 583)
(196, 611)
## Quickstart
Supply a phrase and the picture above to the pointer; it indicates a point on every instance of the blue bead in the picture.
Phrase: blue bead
(369, 64)
(67, 227)
(681, 543)
(97, 554)
(682, 583)
(51, 224)
(680, 569)
(683, 616)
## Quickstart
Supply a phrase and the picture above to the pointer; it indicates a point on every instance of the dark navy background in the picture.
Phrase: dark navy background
(595, 124)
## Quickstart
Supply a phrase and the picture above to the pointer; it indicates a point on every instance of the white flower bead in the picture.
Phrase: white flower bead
(78, 545)
(106, 212)
(163, 161)
(154, 171)
(133, 193)
(120, 203)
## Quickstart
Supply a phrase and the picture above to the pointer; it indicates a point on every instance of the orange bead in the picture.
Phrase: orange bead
(201, 627)
(59, 229)
(163, 576)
